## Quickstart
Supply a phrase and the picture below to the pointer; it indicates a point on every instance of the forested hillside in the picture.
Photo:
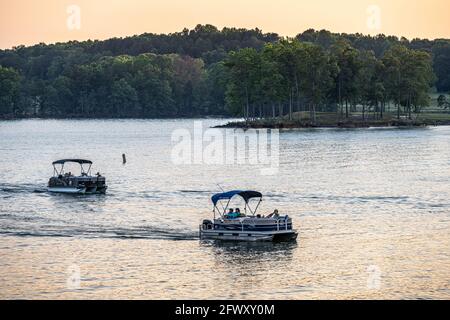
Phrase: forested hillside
(206, 71)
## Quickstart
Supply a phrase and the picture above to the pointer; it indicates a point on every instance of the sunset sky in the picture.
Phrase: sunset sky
(32, 21)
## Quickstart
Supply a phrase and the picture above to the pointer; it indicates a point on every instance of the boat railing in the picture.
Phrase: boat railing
(286, 223)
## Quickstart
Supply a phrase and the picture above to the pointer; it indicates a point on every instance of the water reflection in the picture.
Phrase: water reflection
(251, 267)
(260, 254)
(79, 202)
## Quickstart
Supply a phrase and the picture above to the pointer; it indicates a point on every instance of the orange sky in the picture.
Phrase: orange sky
(32, 21)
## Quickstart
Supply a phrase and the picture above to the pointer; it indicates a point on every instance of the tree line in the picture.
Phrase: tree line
(290, 76)
(206, 71)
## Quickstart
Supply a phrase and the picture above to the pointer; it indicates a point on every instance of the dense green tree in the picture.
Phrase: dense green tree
(442, 102)
(419, 78)
(408, 77)
(188, 75)
(349, 67)
(123, 99)
(151, 80)
(243, 68)
(9, 90)
(216, 81)
(441, 64)
(370, 86)
(271, 84)
(317, 81)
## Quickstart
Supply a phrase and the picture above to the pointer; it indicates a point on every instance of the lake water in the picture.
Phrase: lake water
(372, 207)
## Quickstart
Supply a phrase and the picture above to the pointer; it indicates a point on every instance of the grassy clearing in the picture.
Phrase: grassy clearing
(331, 119)
(430, 115)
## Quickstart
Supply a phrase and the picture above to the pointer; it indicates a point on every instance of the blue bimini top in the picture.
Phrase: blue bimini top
(246, 195)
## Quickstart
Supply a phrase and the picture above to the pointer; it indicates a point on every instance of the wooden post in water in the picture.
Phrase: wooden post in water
(124, 158)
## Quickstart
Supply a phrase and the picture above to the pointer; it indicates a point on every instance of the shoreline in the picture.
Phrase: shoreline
(275, 123)
(113, 118)
(348, 124)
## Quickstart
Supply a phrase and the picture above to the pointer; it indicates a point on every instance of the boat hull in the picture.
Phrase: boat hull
(67, 190)
(252, 236)
(77, 184)
(73, 190)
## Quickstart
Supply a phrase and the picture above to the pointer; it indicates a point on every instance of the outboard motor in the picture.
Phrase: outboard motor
(207, 225)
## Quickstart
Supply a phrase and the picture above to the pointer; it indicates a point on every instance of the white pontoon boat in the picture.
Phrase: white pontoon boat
(63, 182)
(247, 226)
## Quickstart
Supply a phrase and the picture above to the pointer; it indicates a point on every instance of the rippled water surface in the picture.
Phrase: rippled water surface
(372, 207)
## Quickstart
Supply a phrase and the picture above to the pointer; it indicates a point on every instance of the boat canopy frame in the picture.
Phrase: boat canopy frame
(81, 162)
(245, 194)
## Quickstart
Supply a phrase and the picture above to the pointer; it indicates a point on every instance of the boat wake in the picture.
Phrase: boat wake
(150, 233)
(19, 188)
(195, 191)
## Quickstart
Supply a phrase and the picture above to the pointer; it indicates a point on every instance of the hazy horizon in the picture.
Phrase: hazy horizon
(24, 22)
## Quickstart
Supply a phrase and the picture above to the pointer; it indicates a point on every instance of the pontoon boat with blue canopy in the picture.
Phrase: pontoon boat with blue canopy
(245, 226)
(66, 182)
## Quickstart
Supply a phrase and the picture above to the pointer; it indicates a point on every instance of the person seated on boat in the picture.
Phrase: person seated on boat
(239, 213)
(230, 214)
(274, 214)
